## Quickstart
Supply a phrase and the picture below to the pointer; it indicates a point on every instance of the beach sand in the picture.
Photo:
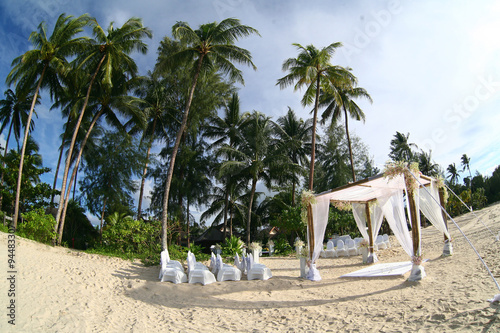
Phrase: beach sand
(61, 290)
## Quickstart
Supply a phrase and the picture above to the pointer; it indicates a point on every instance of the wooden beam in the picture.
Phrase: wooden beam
(310, 226)
(369, 224)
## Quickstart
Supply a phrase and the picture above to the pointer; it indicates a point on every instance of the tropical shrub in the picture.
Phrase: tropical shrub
(37, 226)
(231, 246)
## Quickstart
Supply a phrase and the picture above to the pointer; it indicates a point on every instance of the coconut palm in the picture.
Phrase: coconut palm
(14, 110)
(465, 160)
(210, 46)
(227, 130)
(254, 158)
(293, 137)
(426, 166)
(312, 69)
(43, 64)
(401, 149)
(342, 99)
(107, 56)
(453, 173)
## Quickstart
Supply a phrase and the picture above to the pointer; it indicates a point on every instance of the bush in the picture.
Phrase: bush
(282, 247)
(37, 226)
(231, 246)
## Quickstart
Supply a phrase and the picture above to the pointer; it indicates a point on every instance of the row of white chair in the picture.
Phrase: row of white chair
(351, 247)
(197, 272)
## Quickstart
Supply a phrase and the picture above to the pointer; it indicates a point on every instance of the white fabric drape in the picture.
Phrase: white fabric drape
(320, 212)
(429, 198)
(393, 208)
(376, 215)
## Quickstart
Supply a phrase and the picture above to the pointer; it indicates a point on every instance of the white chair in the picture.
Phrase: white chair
(330, 250)
(171, 270)
(213, 264)
(257, 271)
(341, 250)
(379, 241)
(197, 272)
(352, 250)
(227, 272)
(386, 240)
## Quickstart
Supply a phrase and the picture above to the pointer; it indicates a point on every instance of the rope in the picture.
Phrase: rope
(467, 239)
(469, 208)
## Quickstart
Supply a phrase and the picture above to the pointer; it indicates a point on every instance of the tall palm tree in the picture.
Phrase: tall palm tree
(45, 61)
(401, 149)
(312, 69)
(255, 158)
(342, 99)
(210, 46)
(154, 92)
(14, 110)
(293, 136)
(107, 56)
(227, 130)
(453, 173)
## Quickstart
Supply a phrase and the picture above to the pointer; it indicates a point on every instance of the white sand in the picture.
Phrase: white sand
(60, 290)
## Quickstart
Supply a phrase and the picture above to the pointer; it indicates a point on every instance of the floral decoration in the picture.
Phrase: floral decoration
(417, 260)
(255, 246)
(307, 198)
(343, 205)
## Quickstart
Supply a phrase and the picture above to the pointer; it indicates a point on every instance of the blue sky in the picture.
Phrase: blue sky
(432, 68)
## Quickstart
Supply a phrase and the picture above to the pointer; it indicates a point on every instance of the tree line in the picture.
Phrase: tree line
(180, 127)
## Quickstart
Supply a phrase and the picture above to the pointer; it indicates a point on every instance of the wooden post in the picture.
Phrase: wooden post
(415, 227)
(310, 226)
(369, 224)
(443, 204)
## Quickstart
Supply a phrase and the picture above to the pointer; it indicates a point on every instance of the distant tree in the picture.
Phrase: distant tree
(426, 165)
(453, 174)
(465, 161)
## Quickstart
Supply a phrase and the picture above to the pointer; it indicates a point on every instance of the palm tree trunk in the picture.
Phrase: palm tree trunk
(170, 173)
(293, 193)
(73, 175)
(73, 140)
(349, 144)
(313, 143)
(226, 201)
(249, 219)
(102, 215)
(59, 164)
(3, 162)
(143, 179)
(23, 150)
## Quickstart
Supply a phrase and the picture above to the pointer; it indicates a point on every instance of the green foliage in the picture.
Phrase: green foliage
(37, 226)
(289, 224)
(341, 223)
(283, 247)
(231, 246)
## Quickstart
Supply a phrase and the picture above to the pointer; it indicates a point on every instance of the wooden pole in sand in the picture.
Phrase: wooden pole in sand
(310, 226)
(369, 225)
(443, 204)
(415, 227)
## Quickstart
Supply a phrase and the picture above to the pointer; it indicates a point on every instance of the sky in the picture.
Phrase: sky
(432, 68)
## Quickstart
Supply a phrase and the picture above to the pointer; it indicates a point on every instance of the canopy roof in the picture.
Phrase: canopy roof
(368, 189)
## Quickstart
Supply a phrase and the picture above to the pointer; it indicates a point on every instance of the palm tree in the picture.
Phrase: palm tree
(293, 136)
(466, 164)
(426, 166)
(254, 158)
(401, 149)
(156, 97)
(227, 130)
(453, 173)
(108, 102)
(210, 46)
(110, 52)
(46, 60)
(342, 99)
(14, 111)
(312, 69)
